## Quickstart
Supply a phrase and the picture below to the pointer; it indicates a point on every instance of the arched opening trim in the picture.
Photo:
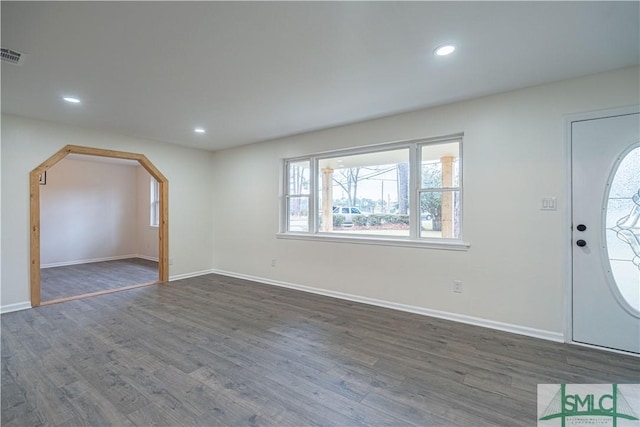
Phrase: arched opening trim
(34, 191)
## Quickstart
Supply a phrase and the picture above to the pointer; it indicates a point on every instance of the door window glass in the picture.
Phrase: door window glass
(623, 228)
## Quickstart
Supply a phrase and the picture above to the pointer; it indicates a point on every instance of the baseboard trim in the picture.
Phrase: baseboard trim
(189, 275)
(92, 260)
(15, 307)
(148, 258)
(476, 321)
(26, 305)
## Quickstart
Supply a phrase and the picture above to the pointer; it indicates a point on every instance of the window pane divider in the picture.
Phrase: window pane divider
(414, 184)
(313, 196)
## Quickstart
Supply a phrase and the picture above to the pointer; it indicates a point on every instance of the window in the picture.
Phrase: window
(298, 196)
(622, 208)
(439, 192)
(404, 192)
(365, 193)
(155, 203)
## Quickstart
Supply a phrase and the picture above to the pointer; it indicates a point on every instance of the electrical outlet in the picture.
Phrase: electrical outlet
(170, 261)
(457, 286)
(273, 262)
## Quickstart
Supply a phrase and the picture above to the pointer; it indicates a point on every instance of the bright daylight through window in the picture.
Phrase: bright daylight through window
(155, 203)
(405, 191)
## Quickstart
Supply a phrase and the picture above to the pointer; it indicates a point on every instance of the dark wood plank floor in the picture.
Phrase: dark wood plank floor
(214, 350)
(73, 280)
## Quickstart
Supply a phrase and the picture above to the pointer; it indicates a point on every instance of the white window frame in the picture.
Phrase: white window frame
(288, 196)
(415, 189)
(154, 203)
(421, 190)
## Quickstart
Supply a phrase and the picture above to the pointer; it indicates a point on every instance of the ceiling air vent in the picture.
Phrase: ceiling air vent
(11, 56)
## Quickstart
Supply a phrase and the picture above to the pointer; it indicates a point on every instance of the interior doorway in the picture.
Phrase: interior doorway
(39, 173)
(98, 227)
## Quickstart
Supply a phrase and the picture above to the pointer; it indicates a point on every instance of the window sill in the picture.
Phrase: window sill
(447, 245)
(154, 226)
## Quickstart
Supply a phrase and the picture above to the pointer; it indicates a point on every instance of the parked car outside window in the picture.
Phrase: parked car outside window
(348, 212)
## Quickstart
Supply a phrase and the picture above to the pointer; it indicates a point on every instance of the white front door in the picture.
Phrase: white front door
(605, 156)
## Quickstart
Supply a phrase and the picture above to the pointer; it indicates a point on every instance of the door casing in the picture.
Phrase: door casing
(34, 208)
(568, 221)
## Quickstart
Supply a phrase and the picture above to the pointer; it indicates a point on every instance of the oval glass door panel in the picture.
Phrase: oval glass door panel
(622, 223)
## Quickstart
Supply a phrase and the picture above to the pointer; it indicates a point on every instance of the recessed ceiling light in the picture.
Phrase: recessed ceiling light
(444, 50)
(199, 130)
(71, 99)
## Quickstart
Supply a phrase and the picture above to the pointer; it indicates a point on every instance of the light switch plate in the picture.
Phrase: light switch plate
(549, 204)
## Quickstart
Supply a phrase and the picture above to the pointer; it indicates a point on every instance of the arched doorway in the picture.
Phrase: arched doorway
(34, 191)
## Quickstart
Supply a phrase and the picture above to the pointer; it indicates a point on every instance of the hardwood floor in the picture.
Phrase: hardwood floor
(214, 350)
(80, 279)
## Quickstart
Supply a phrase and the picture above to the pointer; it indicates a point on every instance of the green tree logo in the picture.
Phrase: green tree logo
(590, 407)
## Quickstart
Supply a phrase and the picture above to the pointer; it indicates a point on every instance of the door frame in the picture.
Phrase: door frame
(34, 208)
(569, 119)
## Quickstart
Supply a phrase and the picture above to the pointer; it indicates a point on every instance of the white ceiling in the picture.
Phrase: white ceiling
(251, 71)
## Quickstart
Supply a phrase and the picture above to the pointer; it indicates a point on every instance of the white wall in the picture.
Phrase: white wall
(26, 143)
(87, 212)
(514, 154)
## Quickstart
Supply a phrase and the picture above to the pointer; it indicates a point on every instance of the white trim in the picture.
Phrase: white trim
(26, 305)
(148, 258)
(568, 245)
(450, 245)
(611, 350)
(491, 324)
(601, 114)
(569, 119)
(415, 183)
(154, 198)
(414, 147)
(15, 307)
(86, 261)
(189, 275)
(89, 261)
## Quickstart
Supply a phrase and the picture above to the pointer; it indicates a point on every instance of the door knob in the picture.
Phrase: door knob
(581, 227)
(581, 243)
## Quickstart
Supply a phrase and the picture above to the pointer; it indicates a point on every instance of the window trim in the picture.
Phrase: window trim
(415, 189)
(368, 239)
(284, 222)
(154, 202)
(419, 190)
